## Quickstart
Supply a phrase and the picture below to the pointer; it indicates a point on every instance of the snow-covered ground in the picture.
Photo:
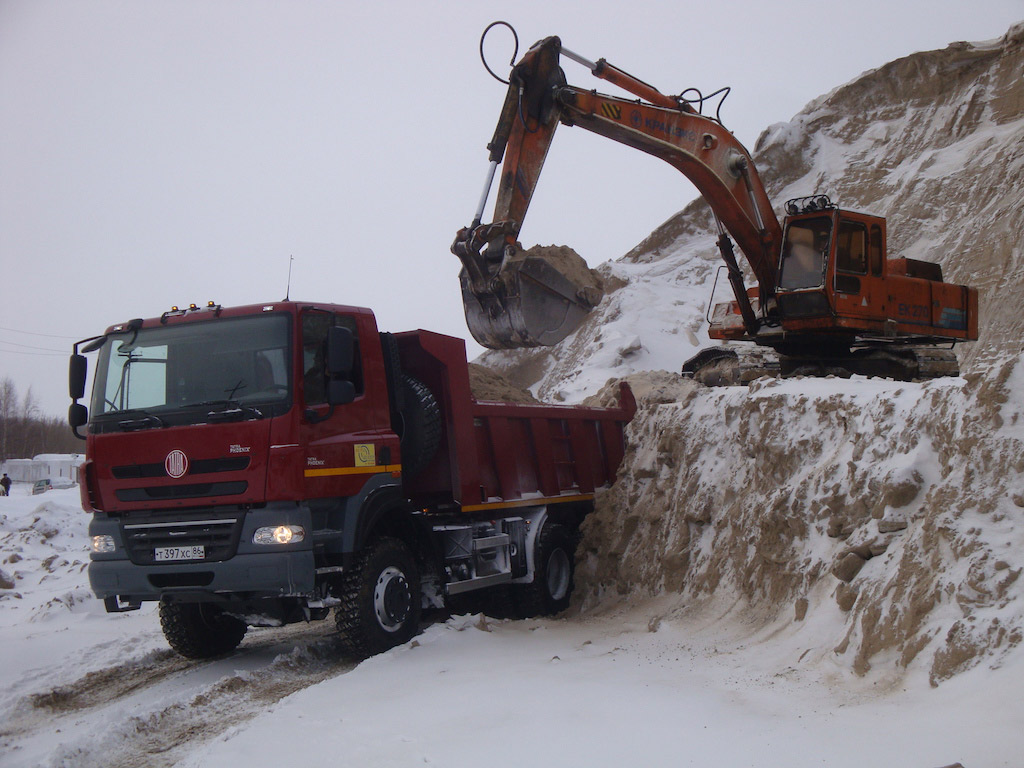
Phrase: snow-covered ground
(629, 683)
(804, 573)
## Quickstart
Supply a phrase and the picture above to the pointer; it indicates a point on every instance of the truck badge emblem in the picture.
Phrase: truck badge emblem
(176, 464)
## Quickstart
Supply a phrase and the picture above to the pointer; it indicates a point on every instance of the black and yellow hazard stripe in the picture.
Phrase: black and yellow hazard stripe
(611, 110)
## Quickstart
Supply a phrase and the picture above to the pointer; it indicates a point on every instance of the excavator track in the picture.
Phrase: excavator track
(905, 363)
(730, 367)
(727, 366)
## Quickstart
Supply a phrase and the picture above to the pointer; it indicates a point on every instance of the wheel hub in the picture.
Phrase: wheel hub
(558, 571)
(392, 599)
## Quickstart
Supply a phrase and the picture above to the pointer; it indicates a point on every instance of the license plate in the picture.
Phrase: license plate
(197, 552)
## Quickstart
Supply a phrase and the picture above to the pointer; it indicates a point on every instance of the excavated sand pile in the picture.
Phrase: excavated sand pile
(895, 506)
(486, 384)
(570, 264)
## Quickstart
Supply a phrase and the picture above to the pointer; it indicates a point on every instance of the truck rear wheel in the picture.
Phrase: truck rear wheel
(200, 630)
(551, 589)
(380, 600)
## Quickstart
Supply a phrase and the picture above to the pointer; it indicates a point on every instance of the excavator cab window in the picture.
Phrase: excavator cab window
(803, 253)
(875, 250)
(851, 248)
(851, 256)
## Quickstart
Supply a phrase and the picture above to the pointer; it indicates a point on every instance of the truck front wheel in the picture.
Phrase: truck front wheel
(200, 630)
(380, 599)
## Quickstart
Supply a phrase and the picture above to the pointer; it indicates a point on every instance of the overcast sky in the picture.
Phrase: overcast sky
(160, 152)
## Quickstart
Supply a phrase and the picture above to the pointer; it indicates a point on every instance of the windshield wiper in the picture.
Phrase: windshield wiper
(146, 421)
(232, 411)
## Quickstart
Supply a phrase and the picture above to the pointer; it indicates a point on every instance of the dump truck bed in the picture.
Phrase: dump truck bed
(495, 455)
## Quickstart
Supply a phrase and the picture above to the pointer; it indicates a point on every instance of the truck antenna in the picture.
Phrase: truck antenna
(288, 287)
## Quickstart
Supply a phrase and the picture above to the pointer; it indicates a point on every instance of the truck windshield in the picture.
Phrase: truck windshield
(803, 253)
(221, 365)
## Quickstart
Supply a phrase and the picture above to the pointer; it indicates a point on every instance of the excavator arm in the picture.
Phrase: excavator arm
(513, 302)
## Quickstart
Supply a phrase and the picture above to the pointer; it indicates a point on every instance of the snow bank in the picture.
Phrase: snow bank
(50, 622)
(890, 510)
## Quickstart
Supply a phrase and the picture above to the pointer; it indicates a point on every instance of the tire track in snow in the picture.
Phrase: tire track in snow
(150, 710)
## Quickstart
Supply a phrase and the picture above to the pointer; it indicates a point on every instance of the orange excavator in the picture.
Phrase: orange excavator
(827, 296)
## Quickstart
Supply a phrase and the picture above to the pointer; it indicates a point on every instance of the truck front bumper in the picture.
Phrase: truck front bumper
(244, 570)
(266, 574)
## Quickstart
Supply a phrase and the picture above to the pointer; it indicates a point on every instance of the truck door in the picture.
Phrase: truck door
(343, 443)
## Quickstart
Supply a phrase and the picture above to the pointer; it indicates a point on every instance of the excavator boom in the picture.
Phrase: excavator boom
(514, 299)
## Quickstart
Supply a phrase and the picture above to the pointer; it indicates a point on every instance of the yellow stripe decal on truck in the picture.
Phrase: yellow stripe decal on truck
(527, 502)
(334, 471)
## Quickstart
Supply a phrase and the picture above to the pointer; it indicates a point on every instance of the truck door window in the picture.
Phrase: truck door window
(803, 253)
(314, 346)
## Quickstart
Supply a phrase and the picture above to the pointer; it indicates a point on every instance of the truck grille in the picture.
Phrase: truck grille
(193, 491)
(217, 534)
(197, 467)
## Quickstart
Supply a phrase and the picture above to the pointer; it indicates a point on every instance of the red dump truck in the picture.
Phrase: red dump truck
(260, 465)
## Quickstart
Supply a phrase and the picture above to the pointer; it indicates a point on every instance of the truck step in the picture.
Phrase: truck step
(480, 582)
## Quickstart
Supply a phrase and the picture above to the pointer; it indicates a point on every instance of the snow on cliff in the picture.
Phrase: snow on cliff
(878, 522)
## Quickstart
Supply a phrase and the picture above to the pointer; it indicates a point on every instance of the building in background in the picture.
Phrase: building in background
(46, 466)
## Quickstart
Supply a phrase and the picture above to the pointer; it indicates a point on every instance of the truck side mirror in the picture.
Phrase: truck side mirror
(339, 362)
(77, 367)
(340, 392)
(340, 352)
(78, 416)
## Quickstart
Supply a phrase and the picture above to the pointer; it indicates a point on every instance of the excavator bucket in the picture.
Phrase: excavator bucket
(537, 298)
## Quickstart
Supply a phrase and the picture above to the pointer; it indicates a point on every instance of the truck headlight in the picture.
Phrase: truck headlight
(103, 544)
(281, 534)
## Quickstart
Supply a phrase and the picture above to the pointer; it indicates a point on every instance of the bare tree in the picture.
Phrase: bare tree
(25, 431)
(8, 407)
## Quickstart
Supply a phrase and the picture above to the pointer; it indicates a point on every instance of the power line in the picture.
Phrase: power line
(30, 346)
(35, 354)
(34, 333)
